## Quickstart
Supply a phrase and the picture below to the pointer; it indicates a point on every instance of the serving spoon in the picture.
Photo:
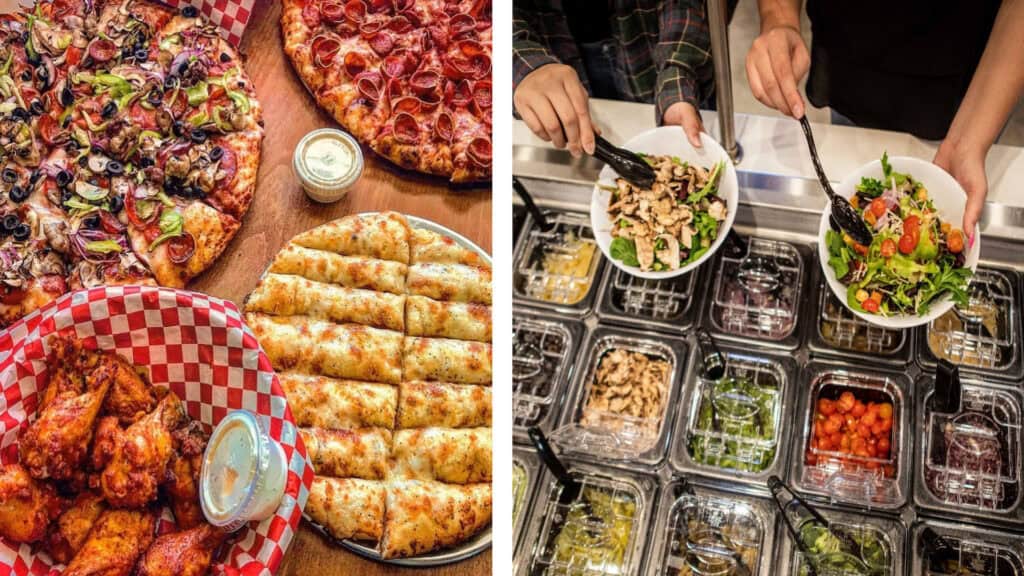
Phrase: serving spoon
(843, 213)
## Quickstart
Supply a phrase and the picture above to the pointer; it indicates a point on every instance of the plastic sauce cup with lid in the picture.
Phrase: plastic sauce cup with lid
(243, 473)
(328, 162)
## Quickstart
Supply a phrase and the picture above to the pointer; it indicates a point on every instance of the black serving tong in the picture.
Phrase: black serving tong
(844, 215)
(571, 487)
(627, 164)
(777, 487)
(538, 215)
(711, 359)
(948, 390)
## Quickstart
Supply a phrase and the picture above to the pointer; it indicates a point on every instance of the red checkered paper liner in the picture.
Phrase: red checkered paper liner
(230, 16)
(195, 344)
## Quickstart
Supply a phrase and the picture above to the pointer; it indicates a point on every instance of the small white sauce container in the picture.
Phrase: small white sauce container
(243, 474)
(327, 162)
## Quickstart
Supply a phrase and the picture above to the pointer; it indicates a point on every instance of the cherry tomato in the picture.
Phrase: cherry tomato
(885, 410)
(869, 305)
(869, 418)
(835, 440)
(859, 409)
(883, 446)
(826, 407)
(864, 430)
(912, 226)
(888, 248)
(885, 425)
(878, 207)
(846, 402)
(907, 243)
(831, 427)
(872, 450)
(844, 443)
(825, 444)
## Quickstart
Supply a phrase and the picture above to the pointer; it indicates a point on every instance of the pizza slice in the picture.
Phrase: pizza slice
(425, 515)
(348, 508)
(446, 360)
(422, 404)
(349, 271)
(454, 456)
(428, 317)
(360, 453)
(384, 236)
(318, 401)
(288, 295)
(313, 346)
(450, 282)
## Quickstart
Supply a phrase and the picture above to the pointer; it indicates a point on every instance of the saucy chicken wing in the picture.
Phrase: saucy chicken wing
(140, 454)
(68, 534)
(185, 553)
(182, 482)
(114, 544)
(130, 397)
(26, 506)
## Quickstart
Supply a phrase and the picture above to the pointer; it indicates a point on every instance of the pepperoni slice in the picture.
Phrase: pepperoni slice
(355, 63)
(48, 129)
(379, 5)
(325, 48)
(53, 284)
(403, 5)
(430, 100)
(381, 43)
(461, 25)
(470, 48)
(102, 49)
(311, 14)
(482, 94)
(408, 104)
(400, 25)
(394, 89)
(368, 29)
(444, 127)
(181, 248)
(426, 42)
(424, 81)
(355, 11)
(479, 152)
(396, 65)
(369, 85)
(458, 93)
(110, 223)
(226, 168)
(406, 129)
(333, 12)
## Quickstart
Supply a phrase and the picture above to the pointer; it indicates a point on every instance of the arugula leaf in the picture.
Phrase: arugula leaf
(624, 250)
(710, 187)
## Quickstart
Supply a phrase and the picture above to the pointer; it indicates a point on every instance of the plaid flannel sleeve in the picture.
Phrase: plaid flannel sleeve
(528, 51)
(682, 54)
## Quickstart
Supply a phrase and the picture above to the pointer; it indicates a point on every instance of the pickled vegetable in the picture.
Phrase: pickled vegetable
(518, 490)
(735, 426)
(858, 551)
(596, 535)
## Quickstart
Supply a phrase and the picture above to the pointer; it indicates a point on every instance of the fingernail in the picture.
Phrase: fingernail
(970, 240)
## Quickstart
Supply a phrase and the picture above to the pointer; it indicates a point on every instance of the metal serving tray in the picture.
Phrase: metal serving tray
(697, 528)
(966, 341)
(775, 374)
(839, 333)
(969, 463)
(544, 349)
(672, 305)
(523, 499)
(529, 275)
(760, 296)
(538, 556)
(961, 549)
(881, 482)
(637, 440)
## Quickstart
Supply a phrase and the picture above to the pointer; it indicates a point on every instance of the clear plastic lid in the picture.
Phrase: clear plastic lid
(623, 397)
(842, 330)
(542, 350)
(855, 445)
(600, 533)
(669, 304)
(985, 334)
(759, 295)
(970, 459)
(851, 545)
(527, 475)
(946, 549)
(558, 266)
(707, 532)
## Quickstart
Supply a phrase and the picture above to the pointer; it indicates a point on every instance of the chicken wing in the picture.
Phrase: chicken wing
(182, 482)
(138, 462)
(26, 507)
(185, 553)
(69, 363)
(114, 544)
(130, 397)
(67, 536)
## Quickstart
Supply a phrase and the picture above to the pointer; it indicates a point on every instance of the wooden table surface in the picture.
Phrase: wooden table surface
(281, 209)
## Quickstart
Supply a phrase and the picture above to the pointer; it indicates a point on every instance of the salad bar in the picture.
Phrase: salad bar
(676, 460)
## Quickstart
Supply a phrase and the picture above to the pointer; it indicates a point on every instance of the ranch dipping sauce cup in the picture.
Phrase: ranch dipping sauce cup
(328, 162)
(243, 473)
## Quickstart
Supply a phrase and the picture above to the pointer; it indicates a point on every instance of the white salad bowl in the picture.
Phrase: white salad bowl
(949, 199)
(671, 141)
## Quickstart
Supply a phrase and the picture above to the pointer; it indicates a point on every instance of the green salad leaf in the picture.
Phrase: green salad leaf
(624, 250)
(710, 187)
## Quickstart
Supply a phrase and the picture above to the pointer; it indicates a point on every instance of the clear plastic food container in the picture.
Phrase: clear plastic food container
(559, 268)
(602, 532)
(671, 305)
(969, 462)
(758, 296)
(877, 544)
(838, 332)
(700, 530)
(617, 412)
(983, 337)
(855, 437)
(946, 549)
(543, 353)
(527, 474)
(733, 429)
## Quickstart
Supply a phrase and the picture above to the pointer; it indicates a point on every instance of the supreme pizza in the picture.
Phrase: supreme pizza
(129, 143)
(410, 79)
(381, 336)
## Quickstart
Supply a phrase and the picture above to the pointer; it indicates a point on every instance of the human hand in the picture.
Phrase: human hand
(776, 62)
(686, 115)
(553, 103)
(967, 165)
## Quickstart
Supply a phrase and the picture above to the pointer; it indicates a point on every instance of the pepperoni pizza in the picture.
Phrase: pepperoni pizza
(129, 142)
(410, 79)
